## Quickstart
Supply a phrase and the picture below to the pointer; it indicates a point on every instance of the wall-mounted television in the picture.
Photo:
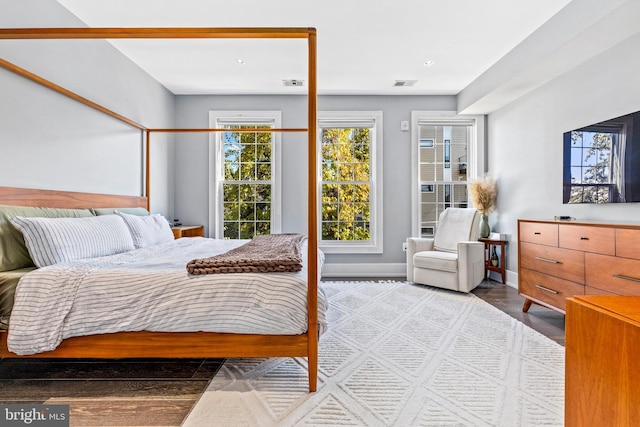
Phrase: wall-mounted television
(602, 162)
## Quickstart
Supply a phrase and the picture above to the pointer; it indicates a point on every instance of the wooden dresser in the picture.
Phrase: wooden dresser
(560, 259)
(602, 387)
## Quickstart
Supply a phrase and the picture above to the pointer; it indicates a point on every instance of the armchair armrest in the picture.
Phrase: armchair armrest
(416, 244)
(470, 264)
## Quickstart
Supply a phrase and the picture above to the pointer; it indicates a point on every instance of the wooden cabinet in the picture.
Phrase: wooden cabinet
(560, 259)
(602, 363)
(188, 231)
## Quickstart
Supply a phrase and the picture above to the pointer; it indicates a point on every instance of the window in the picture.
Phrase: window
(440, 167)
(592, 165)
(443, 182)
(426, 188)
(426, 143)
(350, 211)
(427, 232)
(447, 153)
(245, 175)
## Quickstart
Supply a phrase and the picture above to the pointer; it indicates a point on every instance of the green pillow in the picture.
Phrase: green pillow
(13, 252)
(111, 211)
(8, 282)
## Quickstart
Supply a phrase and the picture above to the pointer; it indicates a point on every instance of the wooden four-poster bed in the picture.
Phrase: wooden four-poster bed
(145, 344)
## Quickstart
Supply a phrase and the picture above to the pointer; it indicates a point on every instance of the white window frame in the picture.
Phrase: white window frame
(375, 244)
(476, 152)
(217, 119)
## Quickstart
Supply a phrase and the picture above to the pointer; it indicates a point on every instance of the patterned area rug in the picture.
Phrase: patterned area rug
(398, 354)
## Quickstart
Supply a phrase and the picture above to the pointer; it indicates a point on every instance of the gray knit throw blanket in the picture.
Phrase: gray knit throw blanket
(267, 253)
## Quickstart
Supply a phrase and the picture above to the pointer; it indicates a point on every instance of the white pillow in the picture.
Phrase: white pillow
(147, 230)
(54, 240)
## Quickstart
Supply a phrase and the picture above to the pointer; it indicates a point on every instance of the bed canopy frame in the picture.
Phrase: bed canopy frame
(177, 344)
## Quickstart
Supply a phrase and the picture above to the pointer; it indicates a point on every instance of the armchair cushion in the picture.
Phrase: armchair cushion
(436, 260)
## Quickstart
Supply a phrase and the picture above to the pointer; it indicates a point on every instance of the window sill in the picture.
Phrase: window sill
(350, 248)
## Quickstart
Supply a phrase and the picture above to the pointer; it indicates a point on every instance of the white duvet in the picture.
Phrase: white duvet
(150, 289)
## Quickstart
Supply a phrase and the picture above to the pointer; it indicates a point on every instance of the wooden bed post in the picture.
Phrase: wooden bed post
(312, 260)
(147, 168)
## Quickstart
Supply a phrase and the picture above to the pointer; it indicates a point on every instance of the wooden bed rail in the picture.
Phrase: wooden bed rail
(67, 199)
(147, 344)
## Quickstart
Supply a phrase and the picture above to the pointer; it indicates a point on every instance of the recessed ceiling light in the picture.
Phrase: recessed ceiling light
(428, 63)
(240, 61)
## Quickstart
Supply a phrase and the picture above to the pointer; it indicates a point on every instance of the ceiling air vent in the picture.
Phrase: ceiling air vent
(404, 83)
(293, 82)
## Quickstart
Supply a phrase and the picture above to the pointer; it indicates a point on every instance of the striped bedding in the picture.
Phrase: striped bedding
(150, 289)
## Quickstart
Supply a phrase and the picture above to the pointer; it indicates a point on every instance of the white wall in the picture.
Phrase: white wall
(47, 141)
(192, 200)
(525, 140)
(50, 141)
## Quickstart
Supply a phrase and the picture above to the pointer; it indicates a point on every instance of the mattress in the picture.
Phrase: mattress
(150, 289)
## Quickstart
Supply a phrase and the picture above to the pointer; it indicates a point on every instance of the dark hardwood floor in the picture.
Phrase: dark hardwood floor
(151, 392)
(548, 322)
(136, 392)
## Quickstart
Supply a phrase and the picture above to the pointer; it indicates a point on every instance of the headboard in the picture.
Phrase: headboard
(67, 199)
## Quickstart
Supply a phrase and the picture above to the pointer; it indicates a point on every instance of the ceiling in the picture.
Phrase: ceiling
(363, 46)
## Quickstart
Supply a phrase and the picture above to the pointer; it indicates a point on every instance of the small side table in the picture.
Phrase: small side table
(488, 266)
(188, 231)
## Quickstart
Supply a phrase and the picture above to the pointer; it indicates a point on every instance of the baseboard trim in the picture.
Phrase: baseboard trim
(511, 278)
(364, 270)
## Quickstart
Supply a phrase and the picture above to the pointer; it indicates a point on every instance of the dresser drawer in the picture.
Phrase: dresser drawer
(548, 289)
(627, 243)
(612, 274)
(601, 240)
(538, 232)
(558, 262)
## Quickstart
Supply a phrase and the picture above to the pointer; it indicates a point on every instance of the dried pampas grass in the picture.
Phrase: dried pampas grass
(483, 194)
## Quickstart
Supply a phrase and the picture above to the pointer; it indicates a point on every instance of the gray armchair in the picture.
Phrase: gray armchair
(454, 258)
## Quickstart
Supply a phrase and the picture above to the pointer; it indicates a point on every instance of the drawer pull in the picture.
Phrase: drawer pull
(548, 260)
(584, 238)
(547, 289)
(537, 232)
(622, 276)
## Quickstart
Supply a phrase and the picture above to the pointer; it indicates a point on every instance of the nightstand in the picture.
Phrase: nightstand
(188, 231)
(490, 245)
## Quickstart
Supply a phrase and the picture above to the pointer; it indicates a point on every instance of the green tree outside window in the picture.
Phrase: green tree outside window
(247, 183)
(346, 187)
